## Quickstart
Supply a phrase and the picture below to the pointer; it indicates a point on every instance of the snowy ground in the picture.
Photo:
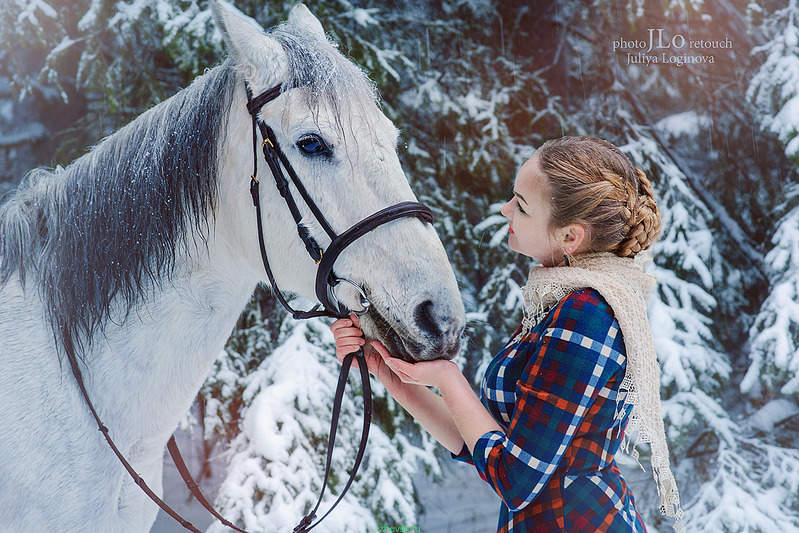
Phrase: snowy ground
(462, 503)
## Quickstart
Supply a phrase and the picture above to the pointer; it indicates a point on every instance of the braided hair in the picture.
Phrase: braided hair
(594, 183)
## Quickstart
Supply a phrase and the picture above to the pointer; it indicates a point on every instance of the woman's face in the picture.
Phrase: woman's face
(528, 212)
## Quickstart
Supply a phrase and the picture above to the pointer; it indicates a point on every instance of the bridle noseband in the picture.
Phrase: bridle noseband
(325, 285)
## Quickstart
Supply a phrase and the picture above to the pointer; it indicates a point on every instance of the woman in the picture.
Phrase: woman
(556, 400)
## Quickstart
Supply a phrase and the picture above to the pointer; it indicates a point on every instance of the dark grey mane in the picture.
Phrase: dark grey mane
(115, 218)
(109, 226)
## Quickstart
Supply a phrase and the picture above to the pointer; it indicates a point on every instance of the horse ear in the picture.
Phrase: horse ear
(301, 17)
(244, 38)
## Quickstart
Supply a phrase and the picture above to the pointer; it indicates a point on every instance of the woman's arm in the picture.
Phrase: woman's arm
(430, 410)
(457, 416)
(469, 415)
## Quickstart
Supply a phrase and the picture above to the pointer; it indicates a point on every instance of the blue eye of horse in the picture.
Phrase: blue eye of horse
(313, 145)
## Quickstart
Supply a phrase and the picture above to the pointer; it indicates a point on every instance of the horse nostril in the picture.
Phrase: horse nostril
(423, 316)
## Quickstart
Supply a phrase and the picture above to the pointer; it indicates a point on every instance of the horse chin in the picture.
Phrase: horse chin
(391, 339)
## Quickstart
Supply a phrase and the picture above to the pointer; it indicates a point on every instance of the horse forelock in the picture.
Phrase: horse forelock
(324, 74)
(112, 223)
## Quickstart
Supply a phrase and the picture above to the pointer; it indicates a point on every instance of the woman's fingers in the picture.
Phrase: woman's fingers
(339, 323)
(350, 342)
(345, 325)
(349, 337)
(342, 324)
(379, 348)
(348, 345)
(347, 333)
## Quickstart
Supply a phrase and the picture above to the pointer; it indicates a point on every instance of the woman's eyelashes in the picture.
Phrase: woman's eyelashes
(514, 198)
(519, 207)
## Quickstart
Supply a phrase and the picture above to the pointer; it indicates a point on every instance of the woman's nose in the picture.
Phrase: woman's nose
(504, 209)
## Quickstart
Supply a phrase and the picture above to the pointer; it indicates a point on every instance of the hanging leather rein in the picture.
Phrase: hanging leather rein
(326, 281)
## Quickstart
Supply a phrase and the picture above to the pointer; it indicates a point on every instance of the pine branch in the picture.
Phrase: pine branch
(735, 231)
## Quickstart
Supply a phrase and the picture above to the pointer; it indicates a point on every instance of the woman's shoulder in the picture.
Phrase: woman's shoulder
(585, 312)
(579, 342)
(577, 310)
(584, 303)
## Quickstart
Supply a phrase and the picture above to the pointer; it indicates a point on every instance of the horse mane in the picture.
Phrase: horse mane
(110, 225)
(114, 219)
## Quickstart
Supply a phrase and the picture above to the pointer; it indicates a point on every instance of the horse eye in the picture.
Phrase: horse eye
(313, 145)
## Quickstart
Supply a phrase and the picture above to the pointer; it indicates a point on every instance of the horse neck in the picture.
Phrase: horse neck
(153, 366)
(150, 368)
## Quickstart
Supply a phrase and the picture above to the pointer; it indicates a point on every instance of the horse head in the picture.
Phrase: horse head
(343, 147)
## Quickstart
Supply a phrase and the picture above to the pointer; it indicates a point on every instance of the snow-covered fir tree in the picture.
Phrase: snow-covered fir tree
(475, 86)
(774, 90)
(271, 392)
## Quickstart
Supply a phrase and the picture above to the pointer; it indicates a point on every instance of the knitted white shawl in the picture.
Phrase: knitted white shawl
(625, 285)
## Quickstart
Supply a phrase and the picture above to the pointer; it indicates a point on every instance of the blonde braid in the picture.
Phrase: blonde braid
(593, 183)
(625, 193)
(644, 221)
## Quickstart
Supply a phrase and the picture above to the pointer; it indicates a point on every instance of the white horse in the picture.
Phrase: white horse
(144, 251)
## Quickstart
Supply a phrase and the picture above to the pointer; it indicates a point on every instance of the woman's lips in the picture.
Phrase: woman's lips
(510, 230)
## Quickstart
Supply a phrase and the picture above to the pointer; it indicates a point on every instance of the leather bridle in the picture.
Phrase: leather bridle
(326, 282)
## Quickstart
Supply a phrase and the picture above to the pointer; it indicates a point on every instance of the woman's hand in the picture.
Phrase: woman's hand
(435, 373)
(349, 337)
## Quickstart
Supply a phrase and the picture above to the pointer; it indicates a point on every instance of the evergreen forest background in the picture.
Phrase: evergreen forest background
(475, 86)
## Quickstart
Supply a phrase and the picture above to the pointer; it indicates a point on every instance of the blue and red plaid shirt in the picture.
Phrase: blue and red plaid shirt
(555, 392)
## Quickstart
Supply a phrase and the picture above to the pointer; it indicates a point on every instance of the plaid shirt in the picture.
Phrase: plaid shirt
(555, 392)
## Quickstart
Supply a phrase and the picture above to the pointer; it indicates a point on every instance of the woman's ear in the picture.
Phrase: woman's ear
(572, 238)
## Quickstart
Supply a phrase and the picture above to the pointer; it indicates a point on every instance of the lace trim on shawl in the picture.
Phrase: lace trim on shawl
(542, 304)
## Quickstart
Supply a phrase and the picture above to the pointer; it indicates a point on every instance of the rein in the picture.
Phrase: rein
(326, 282)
